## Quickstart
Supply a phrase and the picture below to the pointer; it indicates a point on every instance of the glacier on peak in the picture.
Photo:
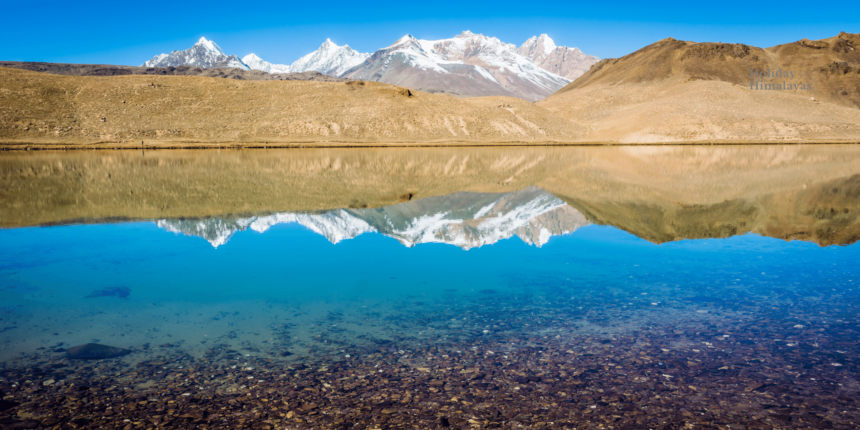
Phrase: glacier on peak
(257, 63)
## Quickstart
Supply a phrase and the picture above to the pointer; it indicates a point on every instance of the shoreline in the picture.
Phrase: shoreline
(29, 146)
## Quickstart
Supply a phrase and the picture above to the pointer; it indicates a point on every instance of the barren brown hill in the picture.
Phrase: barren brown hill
(661, 194)
(674, 91)
(121, 111)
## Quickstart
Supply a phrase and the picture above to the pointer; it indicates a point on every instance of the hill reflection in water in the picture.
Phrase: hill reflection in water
(660, 194)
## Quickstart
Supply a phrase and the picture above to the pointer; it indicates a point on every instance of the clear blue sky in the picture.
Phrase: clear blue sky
(281, 31)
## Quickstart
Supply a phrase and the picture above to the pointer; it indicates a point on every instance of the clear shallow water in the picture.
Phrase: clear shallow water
(523, 287)
(180, 285)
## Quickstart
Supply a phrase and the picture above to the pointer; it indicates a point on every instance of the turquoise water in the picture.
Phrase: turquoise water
(183, 289)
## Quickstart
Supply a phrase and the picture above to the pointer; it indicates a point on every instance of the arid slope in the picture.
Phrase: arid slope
(677, 91)
(176, 110)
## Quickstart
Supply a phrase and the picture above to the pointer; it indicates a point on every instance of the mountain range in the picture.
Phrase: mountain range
(806, 91)
(464, 219)
(467, 65)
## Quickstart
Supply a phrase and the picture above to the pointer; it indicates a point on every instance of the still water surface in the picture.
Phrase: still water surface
(622, 288)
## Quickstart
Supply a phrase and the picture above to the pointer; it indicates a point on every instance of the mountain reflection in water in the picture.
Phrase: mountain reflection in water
(467, 220)
(660, 194)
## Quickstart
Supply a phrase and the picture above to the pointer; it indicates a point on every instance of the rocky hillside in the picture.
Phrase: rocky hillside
(178, 110)
(676, 91)
(831, 66)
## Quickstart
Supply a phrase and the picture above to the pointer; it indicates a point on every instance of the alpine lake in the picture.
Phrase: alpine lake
(658, 287)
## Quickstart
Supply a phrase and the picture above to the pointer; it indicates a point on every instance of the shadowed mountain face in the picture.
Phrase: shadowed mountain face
(467, 220)
(466, 196)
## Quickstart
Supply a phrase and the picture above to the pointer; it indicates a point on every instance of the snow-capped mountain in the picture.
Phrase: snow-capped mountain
(205, 53)
(257, 63)
(467, 220)
(561, 60)
(468, 64)
(329, 59)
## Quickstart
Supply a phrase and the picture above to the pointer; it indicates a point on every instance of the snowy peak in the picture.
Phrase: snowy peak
(328, 45)
(252, 58)
(205, 53)
(257, 63)
(561, 60)
(535, 45)
(209, 46)
(329, 59)
(402, 40)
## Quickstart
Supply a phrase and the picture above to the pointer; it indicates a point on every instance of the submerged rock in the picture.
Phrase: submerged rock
(6, 404)
(121, 292)
(95, 351)
(9, 423)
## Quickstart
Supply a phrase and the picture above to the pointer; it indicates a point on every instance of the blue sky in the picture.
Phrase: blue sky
(281, 31)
